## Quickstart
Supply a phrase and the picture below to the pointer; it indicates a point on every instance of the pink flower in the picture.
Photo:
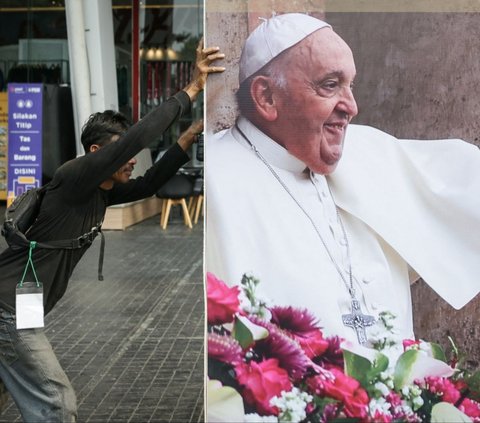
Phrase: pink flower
(394, 399)
(313, 343)
(330, 413)
(284, 348)
(379, 417)
(295, 321)
(261, 382)
(444, 388)
(470, 408)
(343, 388)
(222, 301)
(224, 348)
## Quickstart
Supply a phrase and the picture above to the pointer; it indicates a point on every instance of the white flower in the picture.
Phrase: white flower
(292, 405)
(380, 405)
(255, 418)
(250, 302)
(404, 409)
(415, 390)
(382, 388)
(385, 376)
(383, 335)
(417, 402)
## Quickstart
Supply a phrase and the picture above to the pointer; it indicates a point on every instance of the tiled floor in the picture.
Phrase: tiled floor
(132, 345)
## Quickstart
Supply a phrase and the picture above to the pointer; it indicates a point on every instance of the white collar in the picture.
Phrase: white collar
(273, 152)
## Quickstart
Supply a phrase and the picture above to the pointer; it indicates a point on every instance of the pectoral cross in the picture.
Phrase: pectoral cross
(358, 321)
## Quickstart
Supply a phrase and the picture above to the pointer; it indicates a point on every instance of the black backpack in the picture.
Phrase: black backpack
(21, 215)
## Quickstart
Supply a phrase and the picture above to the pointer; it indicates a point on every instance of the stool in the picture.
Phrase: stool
(175, 192)
(197, 203)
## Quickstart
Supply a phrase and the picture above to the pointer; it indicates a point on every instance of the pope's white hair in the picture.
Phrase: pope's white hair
(275, 70)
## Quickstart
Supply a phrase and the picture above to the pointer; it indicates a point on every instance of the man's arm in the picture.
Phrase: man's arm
(155, 177)
(94, 168)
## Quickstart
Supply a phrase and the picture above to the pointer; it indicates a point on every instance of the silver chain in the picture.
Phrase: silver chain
(348, 284)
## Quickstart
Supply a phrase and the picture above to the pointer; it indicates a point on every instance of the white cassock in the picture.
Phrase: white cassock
(403, 203)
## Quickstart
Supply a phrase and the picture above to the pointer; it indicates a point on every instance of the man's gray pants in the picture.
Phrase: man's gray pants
(32, 374)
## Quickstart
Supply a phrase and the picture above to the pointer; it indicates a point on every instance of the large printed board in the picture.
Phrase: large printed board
(25, 138)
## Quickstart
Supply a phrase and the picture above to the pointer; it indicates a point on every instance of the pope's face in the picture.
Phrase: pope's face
(316, 104)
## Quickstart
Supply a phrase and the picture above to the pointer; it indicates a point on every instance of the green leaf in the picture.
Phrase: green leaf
(379, 365)
(362, 369)
(242, 334)
(404, 367)
(357, 367)
(363, 364)
(437, 352)
(246, 332)
(443, 412)
(473, 382)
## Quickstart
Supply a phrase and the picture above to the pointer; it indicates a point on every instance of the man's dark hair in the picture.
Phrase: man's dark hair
(102, 126)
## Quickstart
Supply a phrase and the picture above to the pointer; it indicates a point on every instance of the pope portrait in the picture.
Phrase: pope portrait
(331, 216)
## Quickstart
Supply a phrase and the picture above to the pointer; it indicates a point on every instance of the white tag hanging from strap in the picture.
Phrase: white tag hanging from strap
(29, 299)
(29, 305)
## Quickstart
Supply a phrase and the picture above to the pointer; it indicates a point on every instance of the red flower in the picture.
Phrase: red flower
(470, 408)
(333, 356)
(261, 382)
(313, 343)
(461, 385)
(345, 389)
(222, 301)
(408, 343)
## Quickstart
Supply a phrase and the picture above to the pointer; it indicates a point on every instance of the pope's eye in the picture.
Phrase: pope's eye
(326, 88)
(330, 85)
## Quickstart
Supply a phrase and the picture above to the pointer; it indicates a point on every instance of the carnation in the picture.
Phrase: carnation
(284, 348)
(261, 382)
(222, 301)
(296, 321)
(286, 371)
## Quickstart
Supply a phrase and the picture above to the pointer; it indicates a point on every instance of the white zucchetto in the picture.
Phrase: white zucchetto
(274, 36)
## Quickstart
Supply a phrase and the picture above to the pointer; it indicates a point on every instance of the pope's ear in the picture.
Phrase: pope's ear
(263, 99)
(94, 147)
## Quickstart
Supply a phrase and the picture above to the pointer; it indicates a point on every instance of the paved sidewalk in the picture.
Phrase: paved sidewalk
(132, 345)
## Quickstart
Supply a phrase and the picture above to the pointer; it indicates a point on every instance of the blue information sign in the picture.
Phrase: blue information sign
(24, 138)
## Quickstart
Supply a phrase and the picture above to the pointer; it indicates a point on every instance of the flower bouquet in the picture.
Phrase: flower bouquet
(273, 364)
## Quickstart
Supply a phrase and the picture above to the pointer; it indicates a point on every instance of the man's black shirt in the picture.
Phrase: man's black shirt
(74, 203)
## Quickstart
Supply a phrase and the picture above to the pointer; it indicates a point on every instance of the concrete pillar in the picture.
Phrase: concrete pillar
(79, 70)
(98, 20)
(91, 51)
